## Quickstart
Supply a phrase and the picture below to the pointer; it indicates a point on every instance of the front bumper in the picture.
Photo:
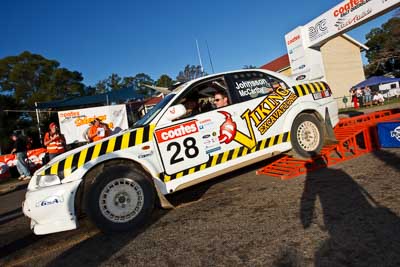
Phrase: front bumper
(52, 209)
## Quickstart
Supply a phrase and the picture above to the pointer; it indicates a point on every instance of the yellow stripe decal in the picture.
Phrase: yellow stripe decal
(298, 89)
(151, 131)
(322, 85)
(82, 157)
(96, 151)
(225, 156)
(54, 168)
(313, 89)
(139, 136)
(111, 145)
(271, 142)
(68, 165)
(125, 141)
(280, 138)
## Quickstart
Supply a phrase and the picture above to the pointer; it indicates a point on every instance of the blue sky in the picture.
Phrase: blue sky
(99, 37)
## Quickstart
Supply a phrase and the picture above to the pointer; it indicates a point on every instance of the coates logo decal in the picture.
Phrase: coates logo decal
(396, 133)
(318, 30)
(293, 39)
(350, 6)
(177, 131)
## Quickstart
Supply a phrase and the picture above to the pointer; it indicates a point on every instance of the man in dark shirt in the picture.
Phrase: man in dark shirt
(19, 149)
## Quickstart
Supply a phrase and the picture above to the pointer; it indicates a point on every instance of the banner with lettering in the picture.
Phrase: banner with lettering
(74, 124)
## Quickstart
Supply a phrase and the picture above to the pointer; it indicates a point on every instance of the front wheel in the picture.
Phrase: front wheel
(121, 199)
(306, 136)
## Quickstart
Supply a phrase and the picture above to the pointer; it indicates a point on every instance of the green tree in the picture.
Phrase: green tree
(384, 49)
(114, 82)
(140, 80)
(190, 72)
(101, 87)
(164, 81)
(249, 67)
(30, 77)
(128, 81)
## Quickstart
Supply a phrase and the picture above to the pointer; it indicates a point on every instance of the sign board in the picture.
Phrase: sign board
(343, 17)
(305, 61)
(74, 123)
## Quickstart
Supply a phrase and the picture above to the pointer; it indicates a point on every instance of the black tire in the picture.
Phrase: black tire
(306, 136)
(127, 198)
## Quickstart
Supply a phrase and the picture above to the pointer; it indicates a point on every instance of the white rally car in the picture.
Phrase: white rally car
(182, 141)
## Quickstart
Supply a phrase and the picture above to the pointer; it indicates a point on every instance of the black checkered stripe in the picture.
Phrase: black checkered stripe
(310, 88)
(229, 155)
(67, 166)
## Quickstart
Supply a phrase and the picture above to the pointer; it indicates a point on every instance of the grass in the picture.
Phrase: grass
(387, 102)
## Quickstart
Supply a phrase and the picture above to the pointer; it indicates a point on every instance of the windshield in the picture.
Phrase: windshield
(154, 111)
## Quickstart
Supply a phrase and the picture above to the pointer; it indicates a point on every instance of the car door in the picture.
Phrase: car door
(262, 101)
(195, 143)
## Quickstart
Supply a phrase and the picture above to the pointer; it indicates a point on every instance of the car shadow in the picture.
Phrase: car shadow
(361, 231)
(101, 247)
(388, 157)
(19, 244)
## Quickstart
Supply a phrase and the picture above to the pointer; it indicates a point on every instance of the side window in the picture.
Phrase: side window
(275, 82)
(253, 84)
(204, 96)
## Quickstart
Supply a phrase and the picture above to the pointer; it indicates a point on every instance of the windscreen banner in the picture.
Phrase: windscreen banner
(74, 124)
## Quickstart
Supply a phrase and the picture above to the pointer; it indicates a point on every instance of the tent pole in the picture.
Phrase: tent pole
(38, 123)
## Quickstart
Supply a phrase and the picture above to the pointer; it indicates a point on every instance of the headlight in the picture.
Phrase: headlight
(47, 180)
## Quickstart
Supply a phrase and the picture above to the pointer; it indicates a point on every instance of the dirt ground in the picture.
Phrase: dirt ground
(347, 215)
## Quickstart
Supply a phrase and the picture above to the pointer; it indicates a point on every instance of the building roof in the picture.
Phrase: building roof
(277, 64)
(354, 41)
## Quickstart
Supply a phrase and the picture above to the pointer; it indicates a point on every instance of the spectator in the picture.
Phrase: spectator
(359, 95)
(19, 149)
(98, 130)
(54, 141)
(221, 99)
(354, 98)
(86, 132)
(368, 97)
(378, 99)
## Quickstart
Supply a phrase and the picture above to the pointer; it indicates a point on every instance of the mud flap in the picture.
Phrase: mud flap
(330, 137)
(165, 204)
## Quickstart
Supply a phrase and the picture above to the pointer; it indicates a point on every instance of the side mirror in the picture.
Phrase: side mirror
(175, 112)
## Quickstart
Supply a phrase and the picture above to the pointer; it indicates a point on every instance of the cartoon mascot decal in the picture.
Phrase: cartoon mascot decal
(227, 131)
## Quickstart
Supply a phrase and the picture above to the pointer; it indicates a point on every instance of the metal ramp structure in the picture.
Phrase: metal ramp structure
(356, 136)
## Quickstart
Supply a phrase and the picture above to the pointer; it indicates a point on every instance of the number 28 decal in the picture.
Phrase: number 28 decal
(190, 150)
(181, 146)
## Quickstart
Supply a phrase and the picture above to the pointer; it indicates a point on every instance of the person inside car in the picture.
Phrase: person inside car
(220, 99)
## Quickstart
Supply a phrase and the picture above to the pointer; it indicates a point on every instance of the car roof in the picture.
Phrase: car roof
(278, 75)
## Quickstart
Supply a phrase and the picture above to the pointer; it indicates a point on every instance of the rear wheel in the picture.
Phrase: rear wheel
(121, 199)
(306, 136)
